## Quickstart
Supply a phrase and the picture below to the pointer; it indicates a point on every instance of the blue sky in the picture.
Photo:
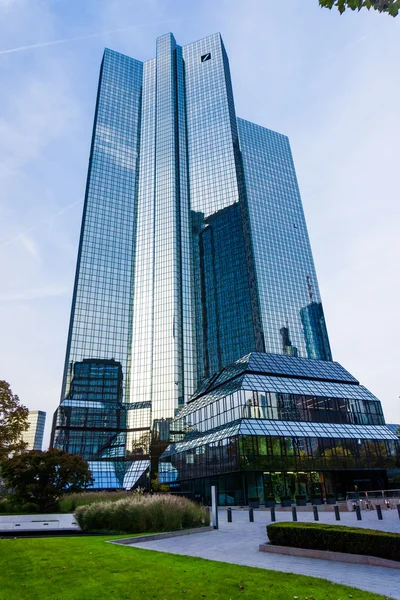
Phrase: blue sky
(330, 82)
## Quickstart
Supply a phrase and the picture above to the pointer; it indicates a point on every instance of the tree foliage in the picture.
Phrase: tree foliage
(13, 421)
(392, 7)
(42, 477)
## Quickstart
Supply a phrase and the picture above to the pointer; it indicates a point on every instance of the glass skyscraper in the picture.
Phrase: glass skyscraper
(194, 252)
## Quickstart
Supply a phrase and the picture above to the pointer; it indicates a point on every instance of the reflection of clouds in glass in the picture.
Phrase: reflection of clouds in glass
(122, 154)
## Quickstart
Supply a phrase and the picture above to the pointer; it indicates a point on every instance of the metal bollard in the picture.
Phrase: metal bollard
(251, 515)
(294, 513)
(379, 512)
(358, 512)
(273, 517)
(229, 515)
(337, 513)
(398, 509)
(214, 506)
(315, 511)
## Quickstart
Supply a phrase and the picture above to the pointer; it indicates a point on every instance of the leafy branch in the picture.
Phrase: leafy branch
(392, 7)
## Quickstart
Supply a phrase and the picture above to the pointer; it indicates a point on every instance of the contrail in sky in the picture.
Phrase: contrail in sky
(42, 222)
(349, 45)
(82, 37)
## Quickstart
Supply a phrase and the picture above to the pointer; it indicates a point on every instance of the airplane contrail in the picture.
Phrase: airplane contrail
(82, 37)
(350, 44)
(42, 222)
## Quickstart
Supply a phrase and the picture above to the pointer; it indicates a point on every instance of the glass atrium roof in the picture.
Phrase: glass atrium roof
(276, 373)
(279, 365)
(395, 428)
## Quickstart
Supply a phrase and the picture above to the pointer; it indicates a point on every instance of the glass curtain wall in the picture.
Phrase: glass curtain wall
(100, 331)
(193, 252)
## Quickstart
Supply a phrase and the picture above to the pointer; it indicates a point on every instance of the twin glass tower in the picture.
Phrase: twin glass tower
(193, 252)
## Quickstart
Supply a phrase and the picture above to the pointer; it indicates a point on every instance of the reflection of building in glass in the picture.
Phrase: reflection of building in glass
(287, 347)
(276, 425)
(92, 419)
(226, 317)
(92, 422)
(315, 333)
(394, 428)
(34, 435)
(193, 252)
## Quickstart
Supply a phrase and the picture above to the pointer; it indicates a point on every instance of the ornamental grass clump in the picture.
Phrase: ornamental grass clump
(139, 514)
(70, 502)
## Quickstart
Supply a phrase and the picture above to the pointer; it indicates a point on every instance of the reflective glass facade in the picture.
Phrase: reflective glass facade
(290, 304)
(193, 253)
(93, 412)
(33, 436)
(271, 425)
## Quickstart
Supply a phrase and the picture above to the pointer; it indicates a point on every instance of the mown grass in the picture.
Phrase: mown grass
(87, 568)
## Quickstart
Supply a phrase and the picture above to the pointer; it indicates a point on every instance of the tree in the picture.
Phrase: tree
(13, 421)
(391, 7)
(42, 477)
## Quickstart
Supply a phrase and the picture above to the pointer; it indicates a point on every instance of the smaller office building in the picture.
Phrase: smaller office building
(33, 436)
(273, 425)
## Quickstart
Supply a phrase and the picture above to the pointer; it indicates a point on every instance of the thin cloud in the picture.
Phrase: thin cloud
(30, 246)
(347, 46)
(84, 37)
(23, 235)
(34, 293)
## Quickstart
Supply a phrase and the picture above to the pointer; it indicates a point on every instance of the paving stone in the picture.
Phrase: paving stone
(238, 542)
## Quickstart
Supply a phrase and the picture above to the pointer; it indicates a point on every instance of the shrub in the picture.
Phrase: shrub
(9, 506)
(30, 508)
(5, 506)
(336, 538)
(138, 514)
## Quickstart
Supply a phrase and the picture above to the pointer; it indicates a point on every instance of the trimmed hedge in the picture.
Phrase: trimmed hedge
(141, 514)
(336, 538)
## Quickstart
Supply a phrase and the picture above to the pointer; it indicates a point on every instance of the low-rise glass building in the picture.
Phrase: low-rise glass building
(273, 425)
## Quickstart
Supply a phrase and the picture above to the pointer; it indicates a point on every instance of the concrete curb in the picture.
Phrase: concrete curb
(160, 536)
(358, 559)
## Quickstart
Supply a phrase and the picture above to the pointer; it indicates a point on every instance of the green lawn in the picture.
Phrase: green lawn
(86, 568)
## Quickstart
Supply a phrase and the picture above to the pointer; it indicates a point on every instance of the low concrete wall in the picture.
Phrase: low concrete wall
(359, 559)
(138, 539)
(37, 522)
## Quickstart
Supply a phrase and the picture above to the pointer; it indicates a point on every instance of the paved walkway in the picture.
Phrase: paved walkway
(238, 542)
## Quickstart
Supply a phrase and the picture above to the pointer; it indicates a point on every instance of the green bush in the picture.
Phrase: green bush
(30, 508)
(9, 506)
(5, 506)
(336, 538)
(139, 514)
